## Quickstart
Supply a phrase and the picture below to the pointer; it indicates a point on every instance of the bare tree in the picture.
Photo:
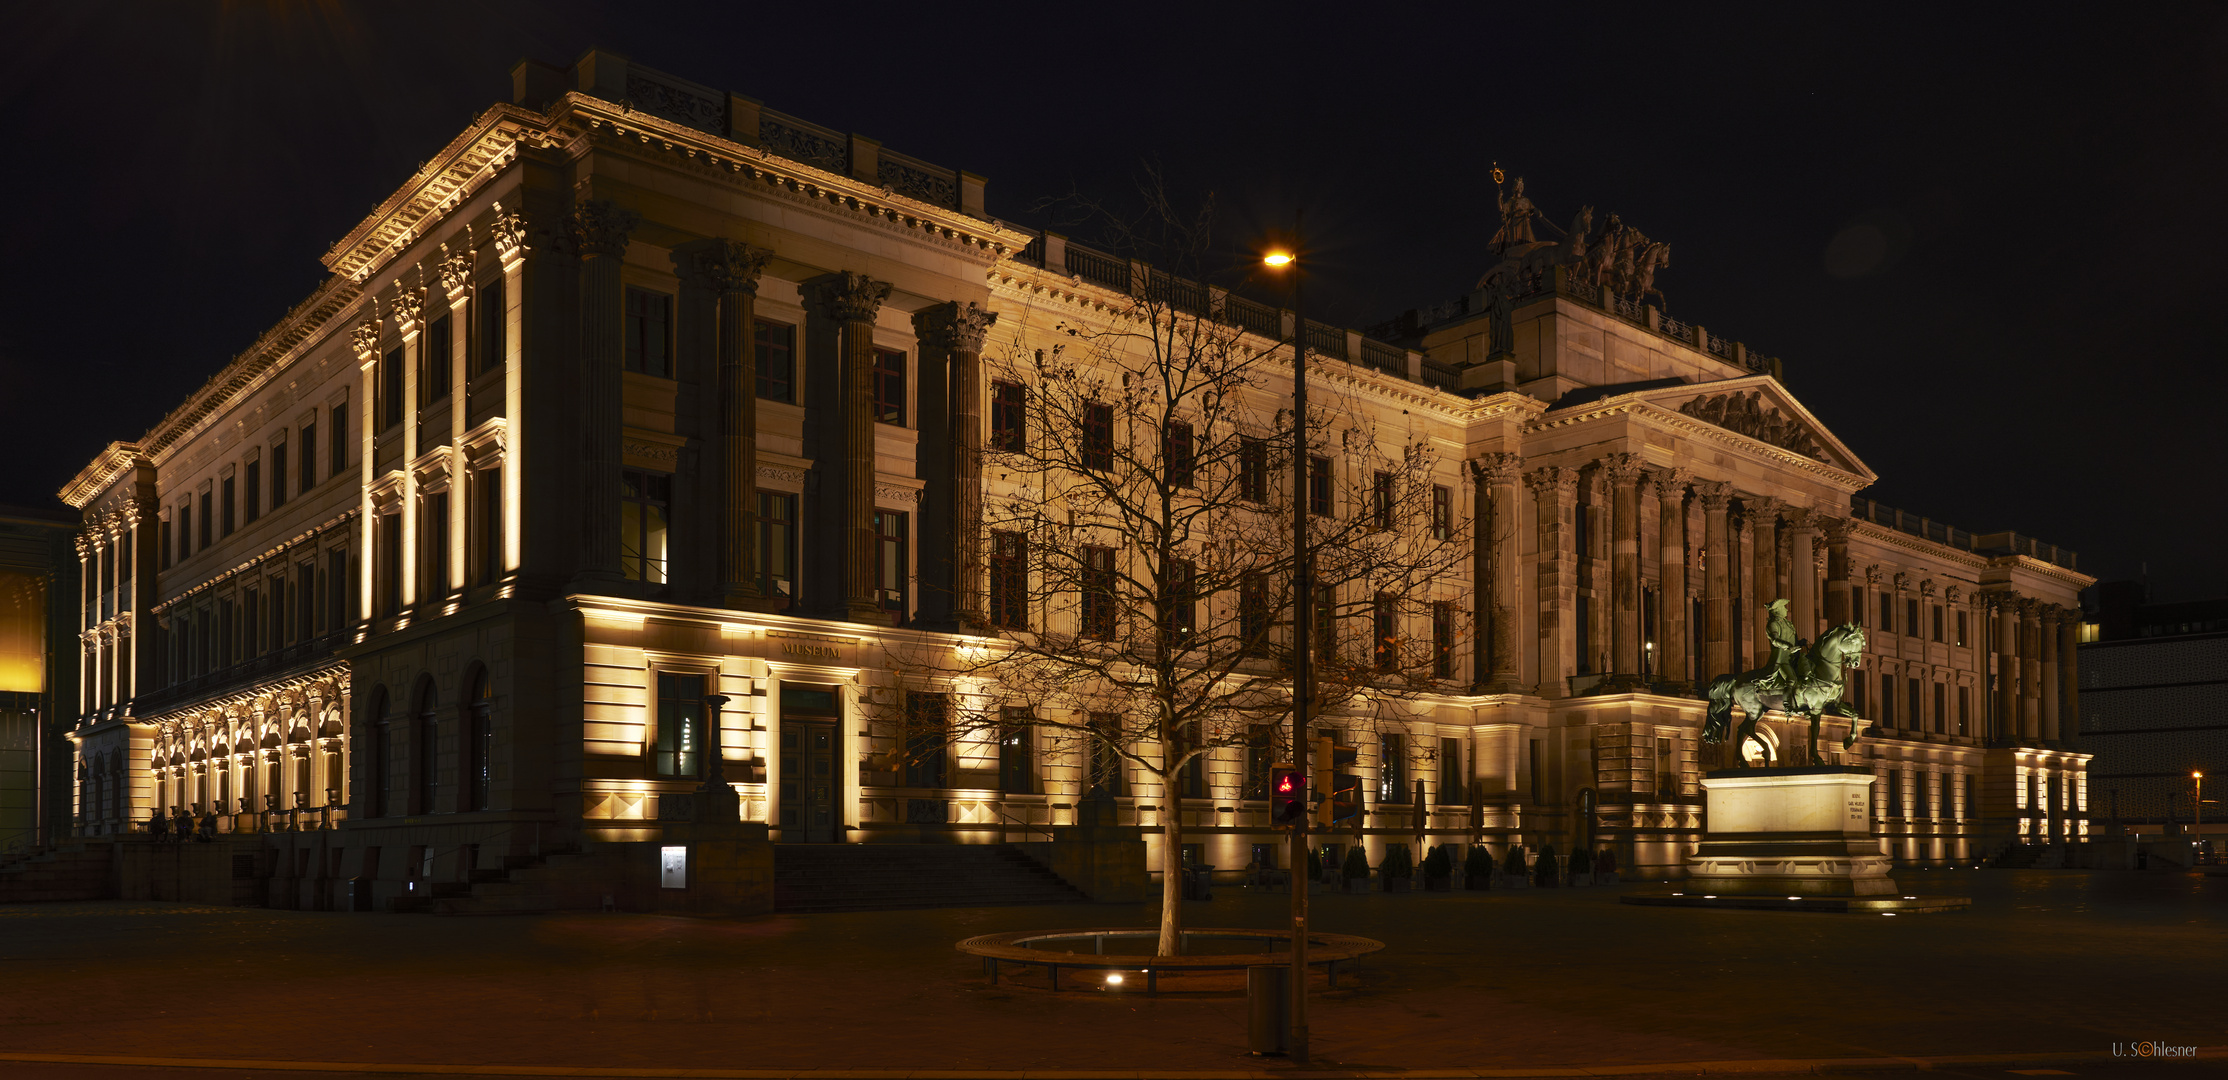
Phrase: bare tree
(1140, 548)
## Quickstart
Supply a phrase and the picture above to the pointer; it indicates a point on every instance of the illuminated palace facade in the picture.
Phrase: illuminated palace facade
(441, 568)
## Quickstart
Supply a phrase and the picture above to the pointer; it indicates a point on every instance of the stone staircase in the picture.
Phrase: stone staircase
(878, 877)
(2031, 857)
(75, 871)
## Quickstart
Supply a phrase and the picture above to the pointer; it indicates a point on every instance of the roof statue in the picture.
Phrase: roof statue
(1613, 256)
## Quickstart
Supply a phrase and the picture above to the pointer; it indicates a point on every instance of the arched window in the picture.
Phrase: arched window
(428, 756)
(382, 754)
(479, 739)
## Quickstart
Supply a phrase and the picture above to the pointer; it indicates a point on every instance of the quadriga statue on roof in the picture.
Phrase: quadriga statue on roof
(1801, 679)
(1610, 255)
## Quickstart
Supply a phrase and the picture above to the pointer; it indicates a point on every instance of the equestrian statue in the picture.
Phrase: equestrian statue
(1801, 679)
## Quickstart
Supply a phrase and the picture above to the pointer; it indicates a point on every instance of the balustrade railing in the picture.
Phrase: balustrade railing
(1252, 317)
(804, 141)
(1102, 270)
(1326, 340)
(916, 179)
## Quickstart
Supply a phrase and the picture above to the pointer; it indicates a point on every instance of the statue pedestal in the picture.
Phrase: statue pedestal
(1789, 832)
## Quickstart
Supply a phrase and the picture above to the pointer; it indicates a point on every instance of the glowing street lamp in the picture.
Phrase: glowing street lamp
(1287, 260)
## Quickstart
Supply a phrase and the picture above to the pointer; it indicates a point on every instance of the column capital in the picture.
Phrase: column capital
(1799, 518)
(1498, 468)
(1716, 495)
(601, 227)
(365, 336)
(848, 296)
(1668, 483)
(1872, 574)
(2050, 614)
(724, 266)
(1621, 468)
(1835, 528)
(454, 268)
(1952, 594)
(1927, 588)
(1557, 478)
(956, 326)
(509, 234)
(1761, 509)
(407, 305)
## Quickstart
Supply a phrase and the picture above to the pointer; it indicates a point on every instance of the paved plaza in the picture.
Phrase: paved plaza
(2046, 967)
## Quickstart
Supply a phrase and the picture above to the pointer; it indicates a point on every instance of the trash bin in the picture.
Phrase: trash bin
(359, 894)
(1268, 1012)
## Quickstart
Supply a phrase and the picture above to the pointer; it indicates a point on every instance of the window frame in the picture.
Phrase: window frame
(639, 329)
(1008, 583)
(765, 346)
(1442, 512)
(1095, 437)
(784, 527)
(1381, 493)
(1179, 454)
(889, 386)
(1096, 614)
(671, 756)
(644, 495)
(1009, 416)
(1253, 470)
(1321, 501)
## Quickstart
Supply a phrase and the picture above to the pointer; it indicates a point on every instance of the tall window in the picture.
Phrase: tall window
(777, 545)
(1253, 612)
(304, 600)
(1253, 470)
(1016, 761)
(1941, 709)
(1392, 769)
(1107, 772)
(487, 526)
(1917, 719)
(680, 747)
(228, 504)
(1452, 789)
(1009, 580)
(925, 735)
(185, 530)
(1960, 629)
(251, 610)
(1887, 700)
(1319, 486)
(1381, 501)
(278, 621)
(1887, 613)
(1938, 621)
(433, 553)
(777, 360)
(309, 458)
(1260, 751)
(487, 310)
(252, 506)
(890, 564)
(162, 545)
(390, 388)
(1176, 452)
(1191, 777)
(1442, 512)
(1182, 596)
(1098, 592)
(649, 332)
(479, 741)
(1009, 417)
(1098, 436)
(645, 509)
(1325, 617)
(428, 754)
(1385, 620)
(1442, 639)
(1964, 710)
(208, 519)
(889, 386)
(339, 456)
(340, 597)
(390, 562)
(382, 755)
(440, 344)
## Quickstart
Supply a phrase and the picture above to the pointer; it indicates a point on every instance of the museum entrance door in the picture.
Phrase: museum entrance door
(808, 781)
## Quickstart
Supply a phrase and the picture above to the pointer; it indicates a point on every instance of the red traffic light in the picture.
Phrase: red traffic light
(1287, 796)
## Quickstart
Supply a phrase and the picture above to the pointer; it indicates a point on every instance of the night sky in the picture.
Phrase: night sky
(1988, 241)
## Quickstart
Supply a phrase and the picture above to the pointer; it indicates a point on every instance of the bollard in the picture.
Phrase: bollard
(1268, 1010)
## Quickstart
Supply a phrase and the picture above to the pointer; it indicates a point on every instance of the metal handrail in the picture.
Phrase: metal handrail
(1026, 828)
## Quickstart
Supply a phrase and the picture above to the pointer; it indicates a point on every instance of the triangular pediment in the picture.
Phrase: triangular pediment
(1758, 408)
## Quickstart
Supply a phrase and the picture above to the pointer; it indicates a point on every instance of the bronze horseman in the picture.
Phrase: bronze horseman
(1801, 679)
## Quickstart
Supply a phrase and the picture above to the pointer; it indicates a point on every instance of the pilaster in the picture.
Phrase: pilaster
(1555, 494)
(730, 269)
(1496, 648)
(852, 301)
(1669, 488)
(1717, 647)
(600, 230)
(1623, 472)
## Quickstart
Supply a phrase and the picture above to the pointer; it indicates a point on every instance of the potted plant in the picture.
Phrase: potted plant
(1355, 870)
(1477, 870)
(1605, 867)
(1397, 869)
(1513, 874)
(1547, 869)
(1582, 867)
(1438, 870)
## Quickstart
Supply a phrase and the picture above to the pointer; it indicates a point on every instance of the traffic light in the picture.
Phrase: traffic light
(1342, 789)
(1287, 796)
(1323, 780)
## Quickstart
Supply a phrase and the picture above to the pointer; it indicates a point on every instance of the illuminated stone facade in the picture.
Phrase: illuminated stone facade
(561, 449)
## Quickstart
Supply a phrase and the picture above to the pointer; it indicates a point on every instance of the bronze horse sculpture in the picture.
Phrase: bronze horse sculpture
(1800, 681)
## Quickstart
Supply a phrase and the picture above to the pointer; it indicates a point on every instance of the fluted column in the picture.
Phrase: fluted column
(852, 301)
(2007, 667)
(2047, 686)
(1836, 530)
(600, 232)
(1801, 573)
(1717, 645)
(730, 269)
(1623, 471)
(1669, 488)
(1762, 515)
(1497, 648)
(956, 331)
(2030, 670)
(1555, 496)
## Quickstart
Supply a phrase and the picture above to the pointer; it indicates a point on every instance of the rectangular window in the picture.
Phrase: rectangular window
(1009, 420)
(1097, 450)
(680, 746)
(1253, 613)
(1260, 751)
(777, 361)
(777, 545)
(339, 455)
(889, 386)
(251, 615)
(208, 519)
(649, 332)
(1324, 616)
(1098, 593)
(229, 504)
(185, 530)
(162, 546)
(278, 470)
(1107, 773)
(1887, 613)
(1253, 470)
(1442, 512)
(1381, 501)
(890, 565)
(305, 601)
(1938, 621)
(1442, 639)
(1917, 718)
(487, 526)
(645, 512)
(1385, 618)
(1911, 618)
(1392, 769)
(252, 506)
(390, 561)
(1176, 451)
(1452, 789)
(1887, 700)
(494, 328)
(309, 455)
(1182, 583)
(439, 345)
(390, 388)
(1941, 709)
(1191, 779)
(1016, 761)
(278, 612)
(433, 548)
(1319, 486)
(1964, 710)
(1961, 629)
(925, 736)
(339, 597)
(1009, 580)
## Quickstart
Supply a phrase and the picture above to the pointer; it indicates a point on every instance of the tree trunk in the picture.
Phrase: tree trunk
(1171, 859)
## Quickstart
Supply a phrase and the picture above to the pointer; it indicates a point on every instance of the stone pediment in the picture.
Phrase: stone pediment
(1759, 408)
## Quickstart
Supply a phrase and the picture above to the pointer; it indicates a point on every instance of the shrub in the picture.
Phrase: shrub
(1606, 862)
(1357, 864)
(1398, 864)
(1545, 866)
(1479, 864)
(1439, 864)
(1513, 864)
(1582, 861)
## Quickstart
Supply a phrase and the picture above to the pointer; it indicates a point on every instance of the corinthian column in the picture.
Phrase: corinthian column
(730, 270)
(1669, 488)
(2007, 668)
(1555, 493)
(1763, 552)
(2030, 671)
(955, 600)
(600, 231)
(852, 301)
(1836, 530)
(1496, 646)
(1623, 471)
(1717, 645)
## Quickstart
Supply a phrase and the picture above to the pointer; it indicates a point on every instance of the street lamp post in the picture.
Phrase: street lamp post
(1303, 594)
